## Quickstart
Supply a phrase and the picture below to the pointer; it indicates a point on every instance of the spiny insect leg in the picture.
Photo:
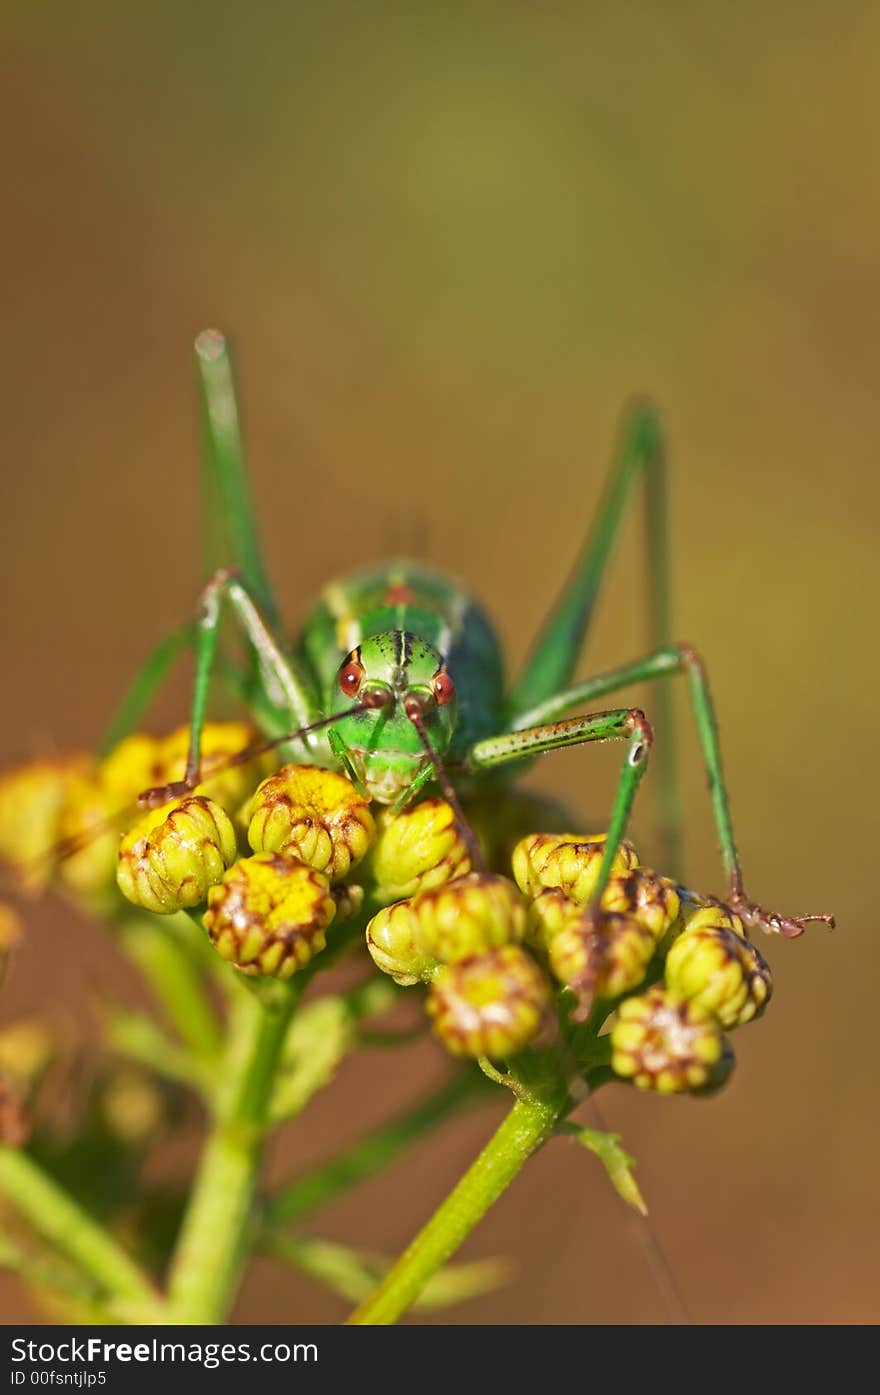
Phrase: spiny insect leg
(639, 455)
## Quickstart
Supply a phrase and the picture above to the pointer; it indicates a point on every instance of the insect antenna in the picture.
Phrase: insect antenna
(656, 1256)
(162, 794)
(413, 709)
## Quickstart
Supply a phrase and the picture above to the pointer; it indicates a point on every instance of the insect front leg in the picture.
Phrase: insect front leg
(640, 456)
(620, 724)
(287, 688)
(681, 659)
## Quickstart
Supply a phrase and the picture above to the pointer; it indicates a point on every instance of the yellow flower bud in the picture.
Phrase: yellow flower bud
(710, 917)
(229, 787)
(605, 961)
(313, 814)
(549, 913)
(31, 800)
(661, 1041)
(269, 914)
(174, 854)
(133, 1106)
(491, 1005)
(650, 899)
(26, 1049)
(567, 861)
(86, 822)
(469, 915)
(134, 765)
(416, 850)
(394, 947)
(720, 970)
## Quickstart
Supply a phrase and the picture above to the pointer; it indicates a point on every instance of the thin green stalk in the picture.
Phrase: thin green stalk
(168, 967)
(353, 1274)
(207, 1263)
(371, 1154)
(232, 532)
(145, 686)
(529, 1124)
(63, 1222)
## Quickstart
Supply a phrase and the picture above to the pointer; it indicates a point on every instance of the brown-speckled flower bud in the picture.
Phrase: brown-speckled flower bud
(171, 857)
(269, 914)
(394, 946)
(548, 914)
(416, 850)
(650, 899)
(664, 1042)
(710, 917)
(313, 814)
(566, 861)
(469, 915)
(606, 961)
(492, 1005)
(721, 971)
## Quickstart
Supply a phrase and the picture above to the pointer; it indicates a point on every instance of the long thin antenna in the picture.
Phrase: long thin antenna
(658, 1262)
(162, 794)
(413, 709)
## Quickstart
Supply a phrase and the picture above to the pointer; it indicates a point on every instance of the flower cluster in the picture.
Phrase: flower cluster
(493, 950)
(272, 859)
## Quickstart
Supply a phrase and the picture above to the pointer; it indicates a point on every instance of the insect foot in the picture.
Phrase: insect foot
(492, 1004)
(269, 914)
(661, 1041)
(566, 861)
(754, 917)
(415, 850)
(312, 814)
(721, 971)
(171, 857)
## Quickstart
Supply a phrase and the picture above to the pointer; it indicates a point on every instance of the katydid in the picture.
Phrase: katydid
(397, 676)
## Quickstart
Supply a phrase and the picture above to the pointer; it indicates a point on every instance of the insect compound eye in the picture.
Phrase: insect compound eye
(351, 677)
(443, 688)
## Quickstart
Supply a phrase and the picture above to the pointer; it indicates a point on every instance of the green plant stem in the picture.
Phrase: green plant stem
(169, 968)
(63, 1222)
(207, 1263)
(353, 1274)
(529, 1124)
(369, 1155)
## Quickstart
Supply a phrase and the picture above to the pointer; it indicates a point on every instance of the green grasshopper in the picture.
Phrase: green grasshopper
(397, 676)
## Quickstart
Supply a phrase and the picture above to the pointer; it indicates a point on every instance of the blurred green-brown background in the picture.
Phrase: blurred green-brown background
(448, 242)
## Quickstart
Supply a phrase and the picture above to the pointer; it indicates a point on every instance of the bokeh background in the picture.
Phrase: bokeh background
(448, 242)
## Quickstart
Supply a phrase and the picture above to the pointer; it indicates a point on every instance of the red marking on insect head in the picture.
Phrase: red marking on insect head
(400, 594)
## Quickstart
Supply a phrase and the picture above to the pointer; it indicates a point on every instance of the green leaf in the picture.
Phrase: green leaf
(618, 1164)
(353, 1274)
